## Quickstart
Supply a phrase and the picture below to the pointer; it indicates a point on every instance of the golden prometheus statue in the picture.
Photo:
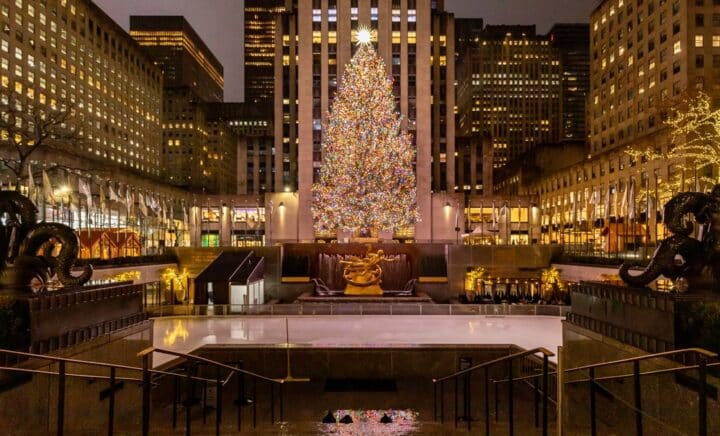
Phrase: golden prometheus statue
(363, 274)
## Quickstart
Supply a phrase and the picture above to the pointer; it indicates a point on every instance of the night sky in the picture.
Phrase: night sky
(219, 22)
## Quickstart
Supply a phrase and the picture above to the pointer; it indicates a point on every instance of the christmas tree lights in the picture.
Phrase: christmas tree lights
(367, 181)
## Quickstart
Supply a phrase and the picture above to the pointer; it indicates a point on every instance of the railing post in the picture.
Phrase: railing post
(487, 402)
(511, 420)
(204, 402)
(702, 394)
(593, 427)
(497, 401)
(272, 403)
(546, 394)
(218, 400)
(282, 415)
(189, 397)
(240, 398)
(442, 402)
(435, 417)
(146, 395)
(560, 391)
(254, 402)
(456, 401)
(536, 400)
(638, 398)
(61, 398)
(468, 415)
(175, 401)
(111, 401)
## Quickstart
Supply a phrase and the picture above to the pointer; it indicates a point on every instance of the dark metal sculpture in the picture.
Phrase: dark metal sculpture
(32, 253)
(681, 255)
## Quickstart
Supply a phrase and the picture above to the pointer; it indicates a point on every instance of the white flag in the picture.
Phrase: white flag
(102, 197)
(129, 200)
(31, 182)
(141, 204)
(48, 189)
(504, 212)
(186, 221)
(607, 204)
(494, 216)
(84, 188)
(593, 200)
(112, 193)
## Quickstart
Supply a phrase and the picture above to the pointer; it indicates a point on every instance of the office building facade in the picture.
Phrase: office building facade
(71, 55)
(177, 49)
(316, 39)
(510, 88)
(259, 49)
(573, 42)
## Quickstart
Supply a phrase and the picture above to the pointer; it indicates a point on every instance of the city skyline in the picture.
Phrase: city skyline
(221, 26)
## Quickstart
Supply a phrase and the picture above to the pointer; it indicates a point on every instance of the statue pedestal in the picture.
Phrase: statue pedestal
(363, 290)
(364, 240)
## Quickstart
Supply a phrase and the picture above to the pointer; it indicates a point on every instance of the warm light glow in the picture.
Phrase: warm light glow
(364, 36)
(179, 332)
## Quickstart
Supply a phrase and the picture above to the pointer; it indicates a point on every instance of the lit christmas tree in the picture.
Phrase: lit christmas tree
(367, 180)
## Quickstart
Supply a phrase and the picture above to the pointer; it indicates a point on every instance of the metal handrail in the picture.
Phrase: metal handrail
(169, 310)
(214, 363)
(655, 372)
(544, 351)
(698, 351)
(702, 367)
(220, 383)
(467, 373)
(90, 363)
(87, 376)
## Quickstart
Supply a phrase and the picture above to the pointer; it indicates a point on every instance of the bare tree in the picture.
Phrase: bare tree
(26, 130)
(694, 129)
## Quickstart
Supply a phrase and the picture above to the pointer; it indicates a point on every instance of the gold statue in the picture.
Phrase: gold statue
(363, 274)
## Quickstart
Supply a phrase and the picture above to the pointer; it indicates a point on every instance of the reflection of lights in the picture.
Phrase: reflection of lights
(178, 332)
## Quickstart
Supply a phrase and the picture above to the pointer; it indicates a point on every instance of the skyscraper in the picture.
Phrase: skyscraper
(573, 42)
(182, 55)
(260, 49)
(199, 154)
(89, 64)
(510, 88)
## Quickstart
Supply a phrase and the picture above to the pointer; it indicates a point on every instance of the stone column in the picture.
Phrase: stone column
(305, 122)
(424, 119)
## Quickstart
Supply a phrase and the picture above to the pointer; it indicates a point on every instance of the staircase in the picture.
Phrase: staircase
(513, 394)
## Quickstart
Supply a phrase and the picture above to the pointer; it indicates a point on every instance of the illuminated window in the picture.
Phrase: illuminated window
(699, 41)
(677, 48)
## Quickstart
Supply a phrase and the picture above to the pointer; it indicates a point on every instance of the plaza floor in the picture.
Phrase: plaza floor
(185, 334)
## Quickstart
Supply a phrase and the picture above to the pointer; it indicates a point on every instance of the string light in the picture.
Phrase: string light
(366, 178)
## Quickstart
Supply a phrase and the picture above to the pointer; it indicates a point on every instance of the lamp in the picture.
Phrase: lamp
(447, 204)
(347, 419)
(282, 204)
